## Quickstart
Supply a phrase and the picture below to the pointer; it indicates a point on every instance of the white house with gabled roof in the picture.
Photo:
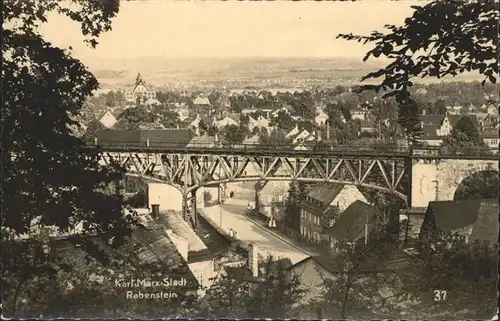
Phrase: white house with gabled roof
(108, 120)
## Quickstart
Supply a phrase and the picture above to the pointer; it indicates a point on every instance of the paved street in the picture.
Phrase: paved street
(248, 232)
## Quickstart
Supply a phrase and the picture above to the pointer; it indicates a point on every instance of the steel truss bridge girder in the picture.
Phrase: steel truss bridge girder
(190, 171)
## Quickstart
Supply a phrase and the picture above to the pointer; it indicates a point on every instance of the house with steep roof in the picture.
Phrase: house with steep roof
(475, 219)
(200, 121)
(436, 127)
(227, 121)
(355, 223)
(108, 120)
(140, 90)
(315, 206)
(298, 135)
(258, 122)
(488, 122)
(321, 118)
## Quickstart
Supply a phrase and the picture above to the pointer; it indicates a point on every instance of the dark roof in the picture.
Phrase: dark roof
(454, 119)
(351, 223)
(492, 133)
(151, 244)
(178, 136)
(432, 119)
(429, 131)
(325, 193)
(451, 215)
(486, 226)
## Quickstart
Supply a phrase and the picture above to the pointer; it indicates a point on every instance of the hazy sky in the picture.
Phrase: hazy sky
(232, 29)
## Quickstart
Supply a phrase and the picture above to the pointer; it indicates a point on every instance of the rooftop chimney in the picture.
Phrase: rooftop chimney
(253, 260)
(155, 210)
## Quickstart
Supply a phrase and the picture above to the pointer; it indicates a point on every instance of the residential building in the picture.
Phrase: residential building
(108, 120)
(312, 271)
(140, 90)
(489, 122)
(321, 118)
(259, 122)
(358, 113)
(227, 121)
(436, 127)
(152, 244)
(201, 101)
(355, 223)
(297, 135)
(286, 109)
(368, 125)
(199, 120)
(203, 141)
(490, 139)
(270, 196)
(295, 131)
(475, 219)
(319, 201)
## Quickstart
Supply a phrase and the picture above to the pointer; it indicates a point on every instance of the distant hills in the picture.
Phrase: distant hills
(161, 70)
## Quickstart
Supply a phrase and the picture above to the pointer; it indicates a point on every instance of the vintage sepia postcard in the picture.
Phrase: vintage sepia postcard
(250, 159)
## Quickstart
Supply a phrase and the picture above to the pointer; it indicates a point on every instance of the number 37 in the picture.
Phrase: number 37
(439, 295)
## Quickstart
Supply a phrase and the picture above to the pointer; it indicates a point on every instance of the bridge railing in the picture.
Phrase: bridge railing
(382, 149)
(252, 148)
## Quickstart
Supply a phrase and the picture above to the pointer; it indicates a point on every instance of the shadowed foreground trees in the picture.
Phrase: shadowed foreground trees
(49, 176)
(467, 272)
(273, 295)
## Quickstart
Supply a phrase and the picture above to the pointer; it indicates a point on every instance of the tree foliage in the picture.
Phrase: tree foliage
(234, 134)
(274, 294)
(49, 173)
(359, 288)
(408, 119)
(49, 176)
(466, 271)
(441, 38)
(464, 137)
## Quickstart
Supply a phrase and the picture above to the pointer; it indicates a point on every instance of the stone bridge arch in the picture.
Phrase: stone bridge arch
(483, 184)
(438, 180)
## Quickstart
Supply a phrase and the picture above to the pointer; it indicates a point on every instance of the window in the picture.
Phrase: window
(494, 142)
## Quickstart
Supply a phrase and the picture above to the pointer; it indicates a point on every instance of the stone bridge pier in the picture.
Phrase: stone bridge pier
(438, 179)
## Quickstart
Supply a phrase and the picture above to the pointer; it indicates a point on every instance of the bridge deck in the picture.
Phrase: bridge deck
(355, 151)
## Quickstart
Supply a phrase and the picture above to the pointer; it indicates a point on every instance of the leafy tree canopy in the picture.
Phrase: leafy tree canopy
(441, 38)
(49, 174)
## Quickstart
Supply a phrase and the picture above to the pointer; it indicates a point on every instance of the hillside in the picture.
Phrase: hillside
(247, 71)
